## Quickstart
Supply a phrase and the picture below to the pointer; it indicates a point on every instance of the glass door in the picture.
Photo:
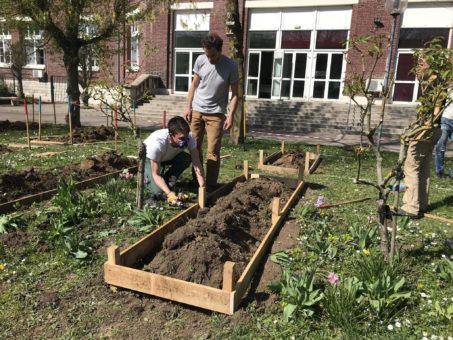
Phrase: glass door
(327, 75)
(253, 79)
(184, 62)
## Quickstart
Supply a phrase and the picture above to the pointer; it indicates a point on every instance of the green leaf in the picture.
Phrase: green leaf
(288, 311)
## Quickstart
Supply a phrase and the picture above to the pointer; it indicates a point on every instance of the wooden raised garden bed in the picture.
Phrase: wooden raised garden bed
(311, 162)
(121, 270)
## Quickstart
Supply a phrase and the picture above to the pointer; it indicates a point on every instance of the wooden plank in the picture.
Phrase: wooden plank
(47, 142)
(228, 276)
(20, 146)
(39, 197)
(315, 164)
(169, 288)
(325, 206)
(278, 169)
(439, 218)
(254, 176)
(272, 158)
(151, 242)
(249, 271)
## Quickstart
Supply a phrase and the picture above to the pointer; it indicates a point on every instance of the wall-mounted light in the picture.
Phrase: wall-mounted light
(377, 22)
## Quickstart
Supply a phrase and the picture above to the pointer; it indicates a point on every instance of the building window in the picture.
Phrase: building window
(34, 48)
(296, 39)
(134, 52)
(331, 39)
(418, 37)
(5, 46)
(262, 39)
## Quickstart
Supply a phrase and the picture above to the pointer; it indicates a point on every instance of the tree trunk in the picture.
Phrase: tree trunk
(71, 63)
(236, 33)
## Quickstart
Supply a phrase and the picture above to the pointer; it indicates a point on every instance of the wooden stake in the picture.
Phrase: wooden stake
(275, 209)
(261, 162)
(228, 276)
(26, 122)
(439, 218)
(300, 175)
(164, 119)
(307, 163)
(113, 255)
(39, 118)
(318, 149)
(33, 106)
(202, 197)
(282, 148)
(325, 206)
(116, 130)
(246, 169)
(70, 120)
(54, 113)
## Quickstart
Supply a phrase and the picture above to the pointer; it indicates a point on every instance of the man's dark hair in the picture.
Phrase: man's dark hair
(178, 124)
(212, 40)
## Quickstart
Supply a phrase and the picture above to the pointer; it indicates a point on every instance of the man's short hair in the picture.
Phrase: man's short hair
(178, 124)
(212, 40)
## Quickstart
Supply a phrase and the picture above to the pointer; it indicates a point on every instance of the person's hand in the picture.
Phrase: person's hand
(228, 123)
(172, 199)
(188, 114)
(183, 197)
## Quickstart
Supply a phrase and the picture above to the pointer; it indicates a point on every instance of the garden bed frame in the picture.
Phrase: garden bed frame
(119, 270)
(44, 195)
(312, 161)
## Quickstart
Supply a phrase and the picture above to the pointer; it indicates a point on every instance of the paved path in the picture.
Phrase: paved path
(92, 117)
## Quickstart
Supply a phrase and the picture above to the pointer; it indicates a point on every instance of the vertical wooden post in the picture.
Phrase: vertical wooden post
(52, 98)
(246, 169)
(261, 162)
(33, 107)
(202, 197)
(275, 209)
(133, 110)
(116, 129)
(300, 175)
(26, 122)
(318, 149)
(69, 119)
(307, 163)
(39, 117)
(113, 255)
(282, 148)
(228, 276)
(164, 119)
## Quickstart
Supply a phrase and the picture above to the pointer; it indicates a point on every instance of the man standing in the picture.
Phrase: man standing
(214, 75)
(166, 159)
(446, 125)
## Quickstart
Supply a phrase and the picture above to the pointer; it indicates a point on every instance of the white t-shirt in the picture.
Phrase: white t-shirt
(159, 148)
(448, 112)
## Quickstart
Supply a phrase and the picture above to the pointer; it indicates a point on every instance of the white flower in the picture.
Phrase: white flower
(430, 302)
(425, 338)
(425, 334)
(390, 327)
(397, 324)
(443, 256)
(423, 295)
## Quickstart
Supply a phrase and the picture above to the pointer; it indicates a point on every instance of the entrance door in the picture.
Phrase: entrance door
(405, 88)
(265, 85)
(327, 75)
(288, 80)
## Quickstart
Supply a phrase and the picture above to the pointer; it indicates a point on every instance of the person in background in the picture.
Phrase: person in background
(166, 159)
(446, 126)
(214, 75)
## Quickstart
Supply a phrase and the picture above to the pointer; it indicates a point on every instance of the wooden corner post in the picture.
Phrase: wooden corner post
(282, 148)
(300, 175)
(246, 169)
(307, 163)
(318, 149)
(275, 209)
(228, 276)
(202, 197)
(261, 161)
(113, 255)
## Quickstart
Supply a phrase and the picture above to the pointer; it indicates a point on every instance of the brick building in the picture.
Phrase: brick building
(294, 48)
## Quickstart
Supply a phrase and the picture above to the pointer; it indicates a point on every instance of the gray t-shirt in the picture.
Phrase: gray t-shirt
(159, 148)
(448, 112)
(211, 95)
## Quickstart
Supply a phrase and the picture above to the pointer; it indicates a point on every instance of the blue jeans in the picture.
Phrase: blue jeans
(168, 169)
(447, 133)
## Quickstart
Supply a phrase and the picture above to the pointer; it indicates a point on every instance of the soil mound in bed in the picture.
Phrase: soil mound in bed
(31, 181)
(291, 160)
(229, 231)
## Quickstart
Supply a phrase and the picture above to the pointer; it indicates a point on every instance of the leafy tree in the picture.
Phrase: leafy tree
(65, 21)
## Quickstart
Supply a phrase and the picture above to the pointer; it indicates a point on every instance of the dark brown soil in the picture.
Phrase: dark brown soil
(291, 160)
(6, 125)
(230, 231)
(88, 135)
(31, 181)
(4, 149)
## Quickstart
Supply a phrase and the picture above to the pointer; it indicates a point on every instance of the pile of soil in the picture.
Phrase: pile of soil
(4, 149)
(31, 181)
(230, 231)
(6, 125)
(291, 160)
(89, 135)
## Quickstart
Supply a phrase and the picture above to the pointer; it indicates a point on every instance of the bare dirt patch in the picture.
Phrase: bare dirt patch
(291, 160)
(32, 181)
(4, 149)
(6, 125)
(88, 135)
(230, 231)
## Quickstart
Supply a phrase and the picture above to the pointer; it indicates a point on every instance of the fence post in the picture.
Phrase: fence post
(52, 99)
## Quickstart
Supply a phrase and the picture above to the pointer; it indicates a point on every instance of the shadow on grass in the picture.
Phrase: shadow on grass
(446, 202)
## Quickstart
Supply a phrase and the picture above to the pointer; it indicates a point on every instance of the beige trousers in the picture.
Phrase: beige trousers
(212, 125)
(417, 172)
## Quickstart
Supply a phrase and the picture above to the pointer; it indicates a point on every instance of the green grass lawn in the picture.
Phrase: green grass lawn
(58, 247)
